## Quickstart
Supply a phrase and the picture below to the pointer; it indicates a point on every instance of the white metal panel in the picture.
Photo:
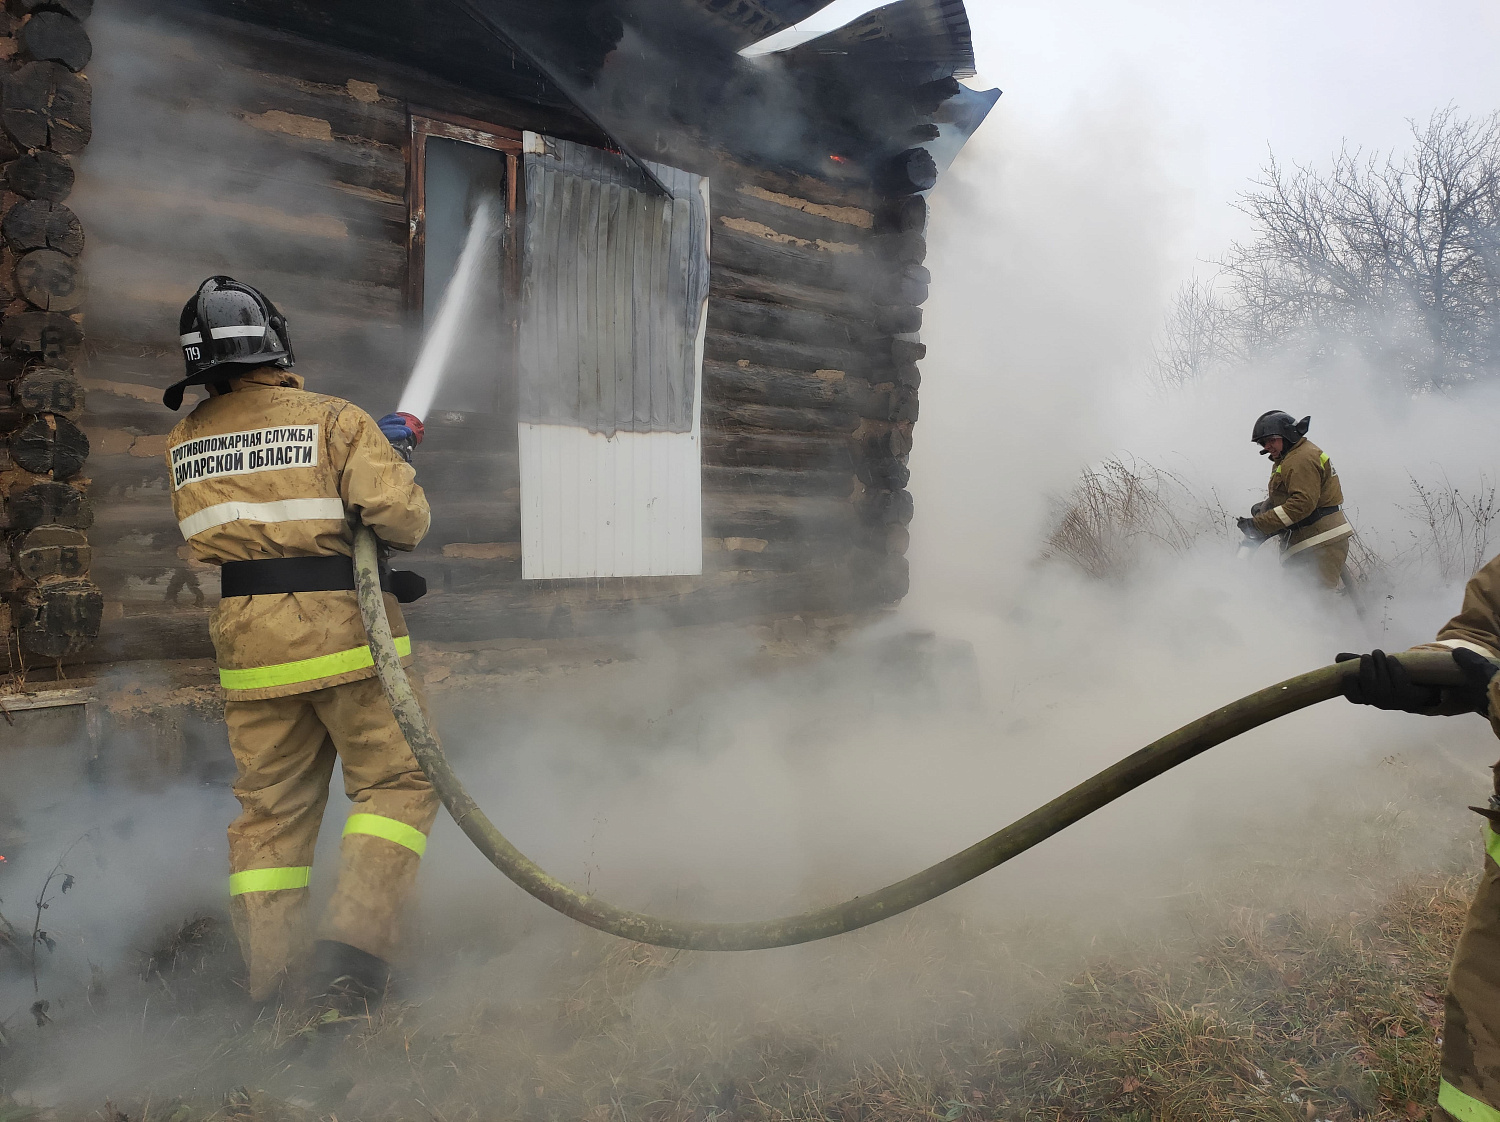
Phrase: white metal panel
(597, 506)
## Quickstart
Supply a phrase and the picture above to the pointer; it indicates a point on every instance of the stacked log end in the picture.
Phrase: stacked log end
(885, 441)
(49, 608)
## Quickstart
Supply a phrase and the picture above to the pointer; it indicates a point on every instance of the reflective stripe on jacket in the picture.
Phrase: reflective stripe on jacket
(1326, 530)
(270, 470)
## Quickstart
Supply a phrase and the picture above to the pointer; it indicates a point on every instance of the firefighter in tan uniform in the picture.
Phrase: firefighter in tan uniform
(1304, 502)
(1470, 1087)
(265, 480)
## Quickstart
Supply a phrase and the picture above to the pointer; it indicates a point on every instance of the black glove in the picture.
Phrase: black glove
(1247, 527)
(1478, 671)
(1384, 683)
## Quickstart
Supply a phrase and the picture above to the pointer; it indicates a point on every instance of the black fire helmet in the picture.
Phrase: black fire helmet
(1278, 423)
(227, 323)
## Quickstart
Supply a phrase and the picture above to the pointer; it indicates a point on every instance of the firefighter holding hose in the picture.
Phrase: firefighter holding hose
(1303, 503)
(1470, 1087)
(266, 480)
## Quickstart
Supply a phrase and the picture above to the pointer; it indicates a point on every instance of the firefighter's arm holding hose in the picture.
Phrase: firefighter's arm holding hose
(377, 482)
(1473, 638)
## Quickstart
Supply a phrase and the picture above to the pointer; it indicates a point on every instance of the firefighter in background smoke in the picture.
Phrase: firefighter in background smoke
(265, 478)
(1470, 1087)
(1303, 504)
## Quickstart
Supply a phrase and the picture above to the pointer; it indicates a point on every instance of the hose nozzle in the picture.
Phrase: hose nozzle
(404, 431)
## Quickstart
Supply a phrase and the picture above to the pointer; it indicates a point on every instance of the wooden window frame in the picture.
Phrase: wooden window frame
(423, 123)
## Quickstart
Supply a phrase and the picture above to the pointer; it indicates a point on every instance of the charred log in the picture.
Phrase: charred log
(49, 504)
(910, 215)
(907, 350)
(727, 347)
(788, 451)
(53, 36)
(48, 391)
(50, 444)
(36, 224)
(78, 9)
(40, 175)
(50, 280)
(57, 618)
(763, 385)
(912, 171)
(46, 105)
(46, 335)
(908, 248)
(898, 319)
(739, 416)
(51, 551)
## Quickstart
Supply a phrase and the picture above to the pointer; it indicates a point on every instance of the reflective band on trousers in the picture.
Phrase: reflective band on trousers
(1466, 1108)
(1492, 844)
(269, 880)
(379, 826)
(305, 670)
(1320, 539)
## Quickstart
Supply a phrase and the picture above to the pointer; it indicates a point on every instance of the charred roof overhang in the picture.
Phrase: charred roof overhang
(632, 72)
(434, 37)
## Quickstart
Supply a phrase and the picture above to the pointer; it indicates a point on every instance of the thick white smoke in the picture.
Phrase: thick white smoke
(702, 775)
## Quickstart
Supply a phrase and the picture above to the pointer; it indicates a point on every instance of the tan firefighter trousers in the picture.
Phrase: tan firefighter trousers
(285, 748)
(1322, 564)
(1470, 1089)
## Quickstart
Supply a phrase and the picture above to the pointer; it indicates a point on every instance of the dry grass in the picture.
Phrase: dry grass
(1302, 981)
(1123, 508)
(1453, 528)
(1259, 1015)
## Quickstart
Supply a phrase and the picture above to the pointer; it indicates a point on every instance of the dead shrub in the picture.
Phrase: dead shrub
(1454, 528)
(1125, 508)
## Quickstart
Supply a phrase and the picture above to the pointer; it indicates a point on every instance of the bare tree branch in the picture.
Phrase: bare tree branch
(1395, 259)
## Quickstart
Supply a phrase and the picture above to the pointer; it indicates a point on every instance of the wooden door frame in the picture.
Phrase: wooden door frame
(423, 123)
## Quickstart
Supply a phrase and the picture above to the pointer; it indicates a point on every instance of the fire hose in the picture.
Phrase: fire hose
(1432, 668)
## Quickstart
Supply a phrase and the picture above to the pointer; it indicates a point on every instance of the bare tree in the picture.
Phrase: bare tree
(1394, 258)
(1201, 332)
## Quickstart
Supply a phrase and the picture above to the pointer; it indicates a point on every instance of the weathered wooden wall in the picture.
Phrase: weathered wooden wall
(49, 609)
(224, 148)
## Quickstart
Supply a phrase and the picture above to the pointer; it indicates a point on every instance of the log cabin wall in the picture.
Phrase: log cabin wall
(224, 147)
(49, 608)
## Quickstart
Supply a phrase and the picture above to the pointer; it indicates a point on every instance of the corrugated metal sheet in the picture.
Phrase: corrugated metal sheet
(614, 306)
(597, 506)
(614, 281)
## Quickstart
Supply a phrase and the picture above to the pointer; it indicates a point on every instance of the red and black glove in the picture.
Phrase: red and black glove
(404, 432)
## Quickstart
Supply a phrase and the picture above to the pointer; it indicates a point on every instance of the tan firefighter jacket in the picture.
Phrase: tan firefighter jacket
(270, 470)
(1302, 483)
(1477, 625)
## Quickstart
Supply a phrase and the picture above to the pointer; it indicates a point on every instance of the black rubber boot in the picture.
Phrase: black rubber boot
(347, 980)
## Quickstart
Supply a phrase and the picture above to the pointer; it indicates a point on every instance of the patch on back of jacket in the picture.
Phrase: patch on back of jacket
(240, 453)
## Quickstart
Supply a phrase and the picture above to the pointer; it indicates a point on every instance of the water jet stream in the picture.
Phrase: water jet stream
(453, 313)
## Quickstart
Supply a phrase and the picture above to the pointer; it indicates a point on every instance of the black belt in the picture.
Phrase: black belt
(1316, 516)
(274, 576)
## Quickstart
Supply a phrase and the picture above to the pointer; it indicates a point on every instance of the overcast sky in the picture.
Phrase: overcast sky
(1221, 81)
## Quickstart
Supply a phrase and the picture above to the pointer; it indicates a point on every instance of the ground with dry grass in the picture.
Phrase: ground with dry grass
(1292, 970)
(1252, 1014)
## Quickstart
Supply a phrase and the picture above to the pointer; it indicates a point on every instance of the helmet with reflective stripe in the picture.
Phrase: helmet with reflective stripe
(227, 323)
(1278, 423)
